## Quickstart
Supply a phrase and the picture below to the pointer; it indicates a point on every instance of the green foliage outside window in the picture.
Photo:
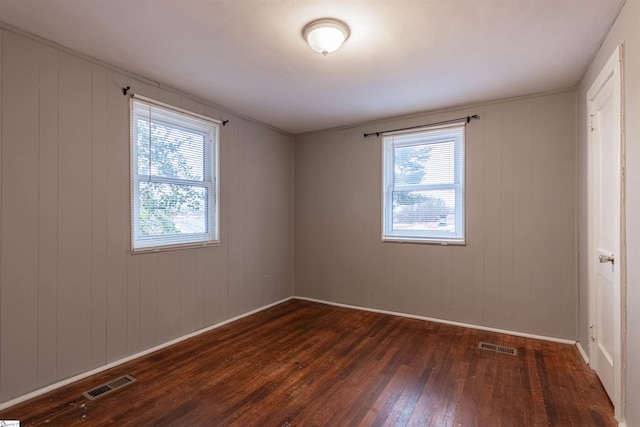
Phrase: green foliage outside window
(167, 155)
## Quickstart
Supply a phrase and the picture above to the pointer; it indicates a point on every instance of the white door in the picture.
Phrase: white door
(605, 142)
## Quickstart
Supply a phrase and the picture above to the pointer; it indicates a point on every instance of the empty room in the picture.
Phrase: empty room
(319, 212)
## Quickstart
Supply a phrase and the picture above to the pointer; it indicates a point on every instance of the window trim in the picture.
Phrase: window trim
(210, 182)
(459, 185)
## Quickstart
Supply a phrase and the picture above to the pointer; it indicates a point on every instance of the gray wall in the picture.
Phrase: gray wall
(72, 298)
(518, 270)
(624, 31)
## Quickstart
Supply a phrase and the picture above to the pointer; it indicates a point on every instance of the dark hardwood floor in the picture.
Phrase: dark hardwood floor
(307, 364)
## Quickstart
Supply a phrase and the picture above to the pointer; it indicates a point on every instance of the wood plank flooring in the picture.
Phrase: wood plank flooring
(307, 364)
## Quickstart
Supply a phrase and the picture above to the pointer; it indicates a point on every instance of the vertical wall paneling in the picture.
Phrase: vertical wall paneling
(169, 303)
(568, 214)
(372, 220)
(309, 198)
(304, 204)
(505, 303)
(476, 140)
(273, 243)
(236, 301)
(215, 261)
(236, 196)
(361, 223)
(20, 158)
(523, 230)
(274, 188)
(493, 213)
(74, 217)
(461, 267)
(191, 105)
(352, 222)
(191, 303)
(48, 217)
(134, 303)
(99, 210)
(546, 215)
(254, 214)
(201, 290)
(517, 269)
(409, 280)
(432, 283)
(334, 219)
(149, 300)
(1, 241)
(117, 216)
(522, 223)
(281, 201)
(253, 210)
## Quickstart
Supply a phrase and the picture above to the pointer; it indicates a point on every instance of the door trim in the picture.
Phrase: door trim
(612, 70)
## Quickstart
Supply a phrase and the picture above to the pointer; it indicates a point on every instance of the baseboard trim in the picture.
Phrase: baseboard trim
(84, 375)
(582, 352)
(447, 322)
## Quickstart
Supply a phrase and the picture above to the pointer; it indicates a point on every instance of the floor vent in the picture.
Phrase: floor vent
(498, 348)
(108, 387)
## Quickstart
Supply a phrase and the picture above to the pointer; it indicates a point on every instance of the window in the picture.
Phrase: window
(174, 177)
(423, 180)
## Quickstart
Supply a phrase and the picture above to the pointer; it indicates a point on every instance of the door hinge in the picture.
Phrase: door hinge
(592, 332)
(591, 127)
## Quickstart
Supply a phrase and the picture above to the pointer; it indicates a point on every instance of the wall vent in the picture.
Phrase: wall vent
(498, 348)
(103, 389)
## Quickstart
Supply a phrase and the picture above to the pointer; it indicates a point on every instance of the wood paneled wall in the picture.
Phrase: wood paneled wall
(72, 297)
(518, 270)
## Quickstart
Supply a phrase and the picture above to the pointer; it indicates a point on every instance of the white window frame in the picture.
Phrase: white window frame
(425, 136)
(209, 128)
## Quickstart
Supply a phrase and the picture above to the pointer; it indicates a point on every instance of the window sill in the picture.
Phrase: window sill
(422, 241)
(155, 249)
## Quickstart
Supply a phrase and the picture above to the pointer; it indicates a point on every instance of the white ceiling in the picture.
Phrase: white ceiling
(403, 56)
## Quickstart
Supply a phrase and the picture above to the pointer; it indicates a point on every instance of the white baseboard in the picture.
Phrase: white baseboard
(582, 352)
(447, 322)
(84, 375)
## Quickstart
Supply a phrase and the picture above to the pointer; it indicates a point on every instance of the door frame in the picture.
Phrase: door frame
(612, 70)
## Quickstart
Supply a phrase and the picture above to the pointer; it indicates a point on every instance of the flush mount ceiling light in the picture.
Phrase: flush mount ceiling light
(325, 35)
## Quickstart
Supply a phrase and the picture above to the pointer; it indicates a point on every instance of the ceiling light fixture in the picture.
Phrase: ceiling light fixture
(325, 35)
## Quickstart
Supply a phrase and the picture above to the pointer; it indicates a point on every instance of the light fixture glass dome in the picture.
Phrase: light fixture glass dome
(325, 35)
